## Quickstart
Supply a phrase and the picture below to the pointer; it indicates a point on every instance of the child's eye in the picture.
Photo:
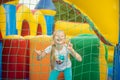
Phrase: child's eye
(62, 36)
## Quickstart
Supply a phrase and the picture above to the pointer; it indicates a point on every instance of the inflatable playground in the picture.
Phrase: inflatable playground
(91, 26)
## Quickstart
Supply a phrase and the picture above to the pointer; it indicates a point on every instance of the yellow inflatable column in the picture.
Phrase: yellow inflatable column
(103, 63)
(110, 54)
(2, 21)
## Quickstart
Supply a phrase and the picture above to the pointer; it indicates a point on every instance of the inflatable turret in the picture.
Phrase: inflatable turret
(48, 9)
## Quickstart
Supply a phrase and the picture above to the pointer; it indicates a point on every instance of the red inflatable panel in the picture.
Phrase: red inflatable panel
(39, 30)
(0, 36)
(25, 28)
(27, 57)
(14, 59)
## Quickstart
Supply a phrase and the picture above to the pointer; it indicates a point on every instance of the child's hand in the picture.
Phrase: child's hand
(78, 57)
(38, 52)
(69, 46)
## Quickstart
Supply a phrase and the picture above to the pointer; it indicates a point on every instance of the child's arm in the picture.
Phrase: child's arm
(40, 54)
(74, 53)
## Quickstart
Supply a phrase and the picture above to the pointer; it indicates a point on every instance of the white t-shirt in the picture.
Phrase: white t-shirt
(61, 56)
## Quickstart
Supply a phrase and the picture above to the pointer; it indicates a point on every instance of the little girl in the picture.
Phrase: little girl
(59, 51)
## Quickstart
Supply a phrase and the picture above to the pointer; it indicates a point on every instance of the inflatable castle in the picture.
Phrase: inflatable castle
(22, 30)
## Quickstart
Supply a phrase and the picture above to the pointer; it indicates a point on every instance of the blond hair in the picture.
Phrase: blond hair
(52, 56)
(58, 31)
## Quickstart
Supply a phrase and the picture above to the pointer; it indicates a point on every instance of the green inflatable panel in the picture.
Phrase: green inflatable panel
(87, 45)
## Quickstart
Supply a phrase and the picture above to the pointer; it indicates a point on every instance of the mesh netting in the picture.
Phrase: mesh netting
(18, 61)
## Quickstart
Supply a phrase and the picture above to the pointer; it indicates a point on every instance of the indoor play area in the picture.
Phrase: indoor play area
(92, 26)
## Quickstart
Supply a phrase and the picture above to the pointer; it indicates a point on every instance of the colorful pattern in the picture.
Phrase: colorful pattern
(60, 59)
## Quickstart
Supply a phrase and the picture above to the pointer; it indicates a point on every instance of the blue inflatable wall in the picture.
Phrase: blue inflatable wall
(10, 19)
(0, 60)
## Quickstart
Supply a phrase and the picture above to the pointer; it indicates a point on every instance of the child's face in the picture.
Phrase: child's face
(59, 38)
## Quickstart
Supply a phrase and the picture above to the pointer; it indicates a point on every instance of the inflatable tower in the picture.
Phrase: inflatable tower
(48, 9)
(10, 11)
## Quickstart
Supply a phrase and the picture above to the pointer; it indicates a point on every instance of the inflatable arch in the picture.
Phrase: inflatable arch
(25, 14)
(39, 17)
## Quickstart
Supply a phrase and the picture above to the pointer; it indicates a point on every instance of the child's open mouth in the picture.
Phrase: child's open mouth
(59, 39)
